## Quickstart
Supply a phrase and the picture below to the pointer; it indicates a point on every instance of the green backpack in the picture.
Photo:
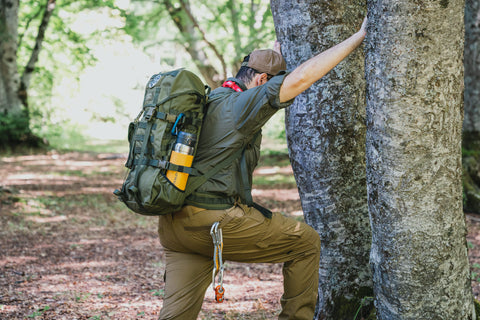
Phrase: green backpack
(175, 102)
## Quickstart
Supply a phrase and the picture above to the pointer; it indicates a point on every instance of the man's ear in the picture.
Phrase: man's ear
(261, 78)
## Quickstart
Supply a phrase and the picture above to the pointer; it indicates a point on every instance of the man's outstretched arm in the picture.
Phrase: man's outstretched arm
(312, 70)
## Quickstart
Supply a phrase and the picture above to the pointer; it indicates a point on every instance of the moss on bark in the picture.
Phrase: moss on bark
(359, 307)
(471, 180)
(477, 309)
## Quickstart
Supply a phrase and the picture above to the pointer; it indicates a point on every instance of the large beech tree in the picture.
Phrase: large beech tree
(326, 139)
(414, 72)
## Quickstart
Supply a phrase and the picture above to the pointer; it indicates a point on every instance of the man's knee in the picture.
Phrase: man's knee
(312, 236)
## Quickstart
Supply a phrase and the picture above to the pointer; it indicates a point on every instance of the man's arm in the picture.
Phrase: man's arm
(302, 77)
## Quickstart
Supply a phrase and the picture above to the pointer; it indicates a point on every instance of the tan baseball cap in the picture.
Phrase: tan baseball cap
(266, 61)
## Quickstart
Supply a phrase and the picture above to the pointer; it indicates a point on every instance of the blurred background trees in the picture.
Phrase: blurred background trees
(471, 124)
(40, 46)
(216, 34)
(74, 69)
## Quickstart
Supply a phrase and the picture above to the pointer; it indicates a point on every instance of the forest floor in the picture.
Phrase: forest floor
(70, 250)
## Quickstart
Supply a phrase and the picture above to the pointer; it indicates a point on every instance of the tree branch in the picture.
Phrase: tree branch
(20, 37)
(192, 47)
(204, 37)
(30, 67)
(236, 31)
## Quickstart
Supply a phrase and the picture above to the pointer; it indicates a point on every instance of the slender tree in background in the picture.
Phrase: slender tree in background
(33, 34)
(216, 34)
(326, 139)
(414, 72)
(14, 83)
(471, 123)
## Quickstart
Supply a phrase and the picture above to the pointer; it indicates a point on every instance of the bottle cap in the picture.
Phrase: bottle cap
(187, 138)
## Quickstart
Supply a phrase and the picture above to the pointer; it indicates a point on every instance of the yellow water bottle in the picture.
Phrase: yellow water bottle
(182, 155)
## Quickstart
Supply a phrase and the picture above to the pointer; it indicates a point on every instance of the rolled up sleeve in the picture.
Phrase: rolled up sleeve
(254, 107)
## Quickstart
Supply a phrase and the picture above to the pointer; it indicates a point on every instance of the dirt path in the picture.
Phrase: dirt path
(70, 250)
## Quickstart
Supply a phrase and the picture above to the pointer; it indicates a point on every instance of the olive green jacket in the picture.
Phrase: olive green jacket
(232, 121)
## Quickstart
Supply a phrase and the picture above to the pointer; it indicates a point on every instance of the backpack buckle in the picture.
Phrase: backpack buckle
(149, 113)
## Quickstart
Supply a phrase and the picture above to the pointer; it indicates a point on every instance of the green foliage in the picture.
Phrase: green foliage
(470, 153)
(65, 53)
(477, 308)
(39, 312)
(234, 28)
(158, 293)
(471, 180)
(360, 306)
(275, 127)
(365, 302)
(275, 179)
(13, 129)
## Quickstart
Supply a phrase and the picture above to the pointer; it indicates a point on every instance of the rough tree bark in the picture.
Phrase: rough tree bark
(326, 138)
(414, 72)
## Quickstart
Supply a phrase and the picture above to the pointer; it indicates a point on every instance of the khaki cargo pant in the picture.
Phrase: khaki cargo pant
(248, 237)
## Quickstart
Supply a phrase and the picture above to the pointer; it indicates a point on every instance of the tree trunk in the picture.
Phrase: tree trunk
(30, 67)
(14, 115)
(188, 28)
(326, 138)
(471, 124)
(414, 72)
(10, 102)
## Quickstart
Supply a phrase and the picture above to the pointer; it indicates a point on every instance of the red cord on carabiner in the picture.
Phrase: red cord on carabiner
(219, 292)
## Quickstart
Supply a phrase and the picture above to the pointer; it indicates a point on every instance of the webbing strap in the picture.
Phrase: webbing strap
(134, 187)
(166, 116)
(247, 189)
(200, 97)
(210, 201)
(131, 142)
(164, 164)
(138, 150)
(143, 125)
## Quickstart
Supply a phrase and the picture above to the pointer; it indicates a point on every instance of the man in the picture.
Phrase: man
(236, 113)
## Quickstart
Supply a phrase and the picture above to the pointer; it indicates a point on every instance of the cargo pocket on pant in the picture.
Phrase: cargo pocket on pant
(281, 231)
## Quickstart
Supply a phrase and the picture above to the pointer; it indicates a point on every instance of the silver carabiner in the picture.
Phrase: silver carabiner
(218, 266)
